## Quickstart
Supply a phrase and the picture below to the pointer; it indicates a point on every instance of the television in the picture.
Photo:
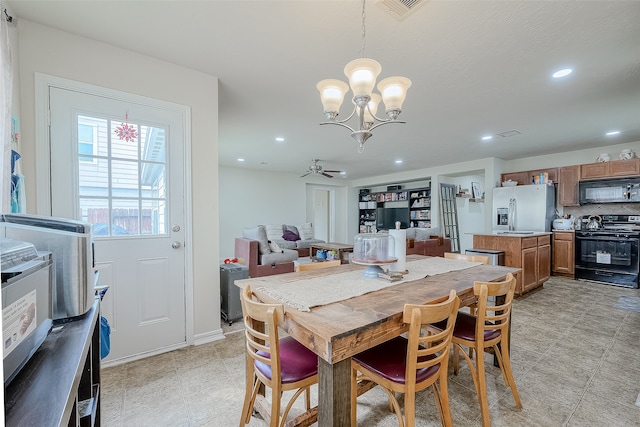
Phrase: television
(386, 218)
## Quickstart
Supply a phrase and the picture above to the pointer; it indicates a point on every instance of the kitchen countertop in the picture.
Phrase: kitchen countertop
(515, 233)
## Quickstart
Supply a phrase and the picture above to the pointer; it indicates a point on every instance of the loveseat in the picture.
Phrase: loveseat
(298, 237)
(426, 241)
(265, 250)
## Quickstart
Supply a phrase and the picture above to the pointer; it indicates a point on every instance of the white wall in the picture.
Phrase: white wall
(53, 52)
(568, 158)
(250, 197)
(471, 215)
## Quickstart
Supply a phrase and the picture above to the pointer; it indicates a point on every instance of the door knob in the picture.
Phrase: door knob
(176, 245)
(175, 228)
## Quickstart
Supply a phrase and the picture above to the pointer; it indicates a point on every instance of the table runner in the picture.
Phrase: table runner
(306, 293)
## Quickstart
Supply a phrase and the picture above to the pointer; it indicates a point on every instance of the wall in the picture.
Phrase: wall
(251, 197)
(471, 215)
(48, 51)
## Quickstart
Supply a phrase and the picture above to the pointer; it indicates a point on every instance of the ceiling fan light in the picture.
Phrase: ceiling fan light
(394, 91)
(362, 74)
(332, 94)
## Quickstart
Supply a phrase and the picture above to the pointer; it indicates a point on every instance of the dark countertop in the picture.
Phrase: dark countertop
(44, 392)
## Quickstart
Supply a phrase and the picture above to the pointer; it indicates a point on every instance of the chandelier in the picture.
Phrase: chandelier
(362, 74)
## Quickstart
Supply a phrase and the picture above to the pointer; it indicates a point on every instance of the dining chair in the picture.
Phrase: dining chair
(472, 258)
(283, 364)
(408, 365)
(317, 265)
(489, 328)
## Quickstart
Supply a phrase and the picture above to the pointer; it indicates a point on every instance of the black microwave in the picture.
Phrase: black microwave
(616, 190)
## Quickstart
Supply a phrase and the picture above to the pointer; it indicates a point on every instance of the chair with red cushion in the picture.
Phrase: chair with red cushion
(281, 364)
(488, 328)
(408, 365)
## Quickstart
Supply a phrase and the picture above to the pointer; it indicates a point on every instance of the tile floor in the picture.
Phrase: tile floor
(575, 351)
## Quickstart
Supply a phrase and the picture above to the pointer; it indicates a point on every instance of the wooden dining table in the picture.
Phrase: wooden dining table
(337, 331)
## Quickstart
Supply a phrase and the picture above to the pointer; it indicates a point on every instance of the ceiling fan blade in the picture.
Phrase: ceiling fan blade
(302, 176)
(327, 175)
(326, 170)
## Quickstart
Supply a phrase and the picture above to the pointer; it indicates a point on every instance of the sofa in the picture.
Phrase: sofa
(296, 237)
(427, 241)
(266, 251)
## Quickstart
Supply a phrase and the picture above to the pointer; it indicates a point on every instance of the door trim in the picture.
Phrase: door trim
(43, 167)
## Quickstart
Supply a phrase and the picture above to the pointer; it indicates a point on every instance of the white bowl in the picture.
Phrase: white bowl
(562, 224)
(509, 183)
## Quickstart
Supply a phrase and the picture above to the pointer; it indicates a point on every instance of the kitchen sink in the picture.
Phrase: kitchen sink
(515, 232)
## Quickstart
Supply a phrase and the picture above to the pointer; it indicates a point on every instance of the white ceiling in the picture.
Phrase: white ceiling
(477, 67)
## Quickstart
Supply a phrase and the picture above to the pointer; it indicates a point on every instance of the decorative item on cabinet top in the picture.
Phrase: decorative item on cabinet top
(626, 154)
(604, 157)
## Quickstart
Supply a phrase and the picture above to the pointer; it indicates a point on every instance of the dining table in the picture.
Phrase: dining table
(336, 331)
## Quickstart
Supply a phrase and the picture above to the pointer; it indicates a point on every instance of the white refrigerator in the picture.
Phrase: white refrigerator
(523, 208)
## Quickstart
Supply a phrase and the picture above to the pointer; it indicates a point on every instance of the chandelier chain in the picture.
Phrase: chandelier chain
(362, 51)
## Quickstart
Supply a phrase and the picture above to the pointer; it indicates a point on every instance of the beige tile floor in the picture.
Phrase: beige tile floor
(575, 351)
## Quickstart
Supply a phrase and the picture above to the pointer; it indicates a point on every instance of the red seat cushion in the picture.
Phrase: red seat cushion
(389, 361)
(466, 328)
(296, 362)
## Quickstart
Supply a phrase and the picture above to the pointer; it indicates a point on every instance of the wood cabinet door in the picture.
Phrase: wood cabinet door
(563, 255)
(594, 170)
(529, 269)
(568, 177)
(552, 173)
(522, 178)
(624, 167)
(544, 263)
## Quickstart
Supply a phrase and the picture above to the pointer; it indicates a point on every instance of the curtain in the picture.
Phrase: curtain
(5, 111)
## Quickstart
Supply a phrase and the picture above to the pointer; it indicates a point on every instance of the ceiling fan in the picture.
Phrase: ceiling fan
(317, 169)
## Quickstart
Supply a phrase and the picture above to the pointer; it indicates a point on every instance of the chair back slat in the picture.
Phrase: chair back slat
(495, 316)
(262, 346)
(425, 342)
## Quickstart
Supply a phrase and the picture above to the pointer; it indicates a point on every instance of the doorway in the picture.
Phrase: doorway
(118, 161)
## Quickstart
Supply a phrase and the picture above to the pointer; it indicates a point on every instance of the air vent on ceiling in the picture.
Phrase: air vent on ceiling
(509, 133)
(400, 9)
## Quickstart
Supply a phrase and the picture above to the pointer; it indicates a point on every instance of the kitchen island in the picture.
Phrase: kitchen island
(530, 251)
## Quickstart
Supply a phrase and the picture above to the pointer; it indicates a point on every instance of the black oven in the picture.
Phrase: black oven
(607, 257)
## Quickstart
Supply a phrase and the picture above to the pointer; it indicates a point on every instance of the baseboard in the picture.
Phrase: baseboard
(208, 337)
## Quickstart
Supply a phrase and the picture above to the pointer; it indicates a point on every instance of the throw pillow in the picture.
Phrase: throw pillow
(258, 233)
(306, 231)
(274, 232)
(290, 236)
(274, 247)
(292, 228)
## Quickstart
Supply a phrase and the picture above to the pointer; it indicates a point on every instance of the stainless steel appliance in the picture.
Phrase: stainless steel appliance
(617, 190)
(229, 292)
(71, 244)
(609, 254)
(27, 282)
(523, 208)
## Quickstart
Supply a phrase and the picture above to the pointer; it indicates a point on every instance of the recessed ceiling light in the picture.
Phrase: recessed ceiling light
(280, 139)
(613, 133)
(241, 160)
(562, 73)
(398, 162)
(487, 138)
(343, 173)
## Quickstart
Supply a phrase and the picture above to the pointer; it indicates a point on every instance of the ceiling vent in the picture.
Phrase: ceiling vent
(509, 133)
(400, 9)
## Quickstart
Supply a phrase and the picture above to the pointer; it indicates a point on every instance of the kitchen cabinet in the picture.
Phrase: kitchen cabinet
(530, 253)
(525, 177)
(568, 177)
(614, 168)
(563, 253)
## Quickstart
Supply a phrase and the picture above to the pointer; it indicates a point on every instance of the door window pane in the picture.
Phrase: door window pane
(122, 184)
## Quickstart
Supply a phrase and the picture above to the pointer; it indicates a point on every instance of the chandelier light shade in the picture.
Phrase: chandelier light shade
(362, 74)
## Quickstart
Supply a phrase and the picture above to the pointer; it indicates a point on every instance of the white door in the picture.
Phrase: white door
(120, 166)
